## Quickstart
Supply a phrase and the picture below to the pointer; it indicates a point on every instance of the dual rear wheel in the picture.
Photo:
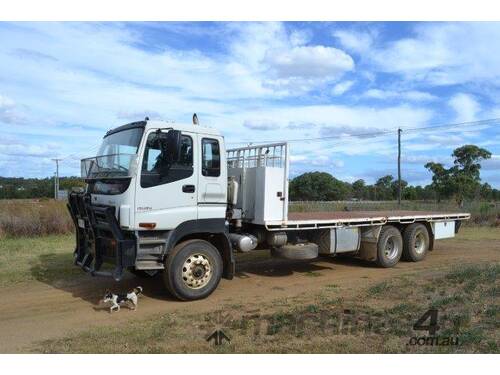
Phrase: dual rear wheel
(416, 242)
(412, 245)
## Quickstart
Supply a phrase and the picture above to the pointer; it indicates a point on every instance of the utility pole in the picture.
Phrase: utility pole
(399, 166)
(56, 179)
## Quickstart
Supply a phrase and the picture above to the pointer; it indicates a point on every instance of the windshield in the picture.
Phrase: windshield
(115, 156)
(122, 142)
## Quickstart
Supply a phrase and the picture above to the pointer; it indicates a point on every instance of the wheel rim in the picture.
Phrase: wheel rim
(420, 243)
(391, 249)
(196, 271)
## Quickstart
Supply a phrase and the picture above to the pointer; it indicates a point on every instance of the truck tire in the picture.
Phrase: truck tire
(143, 274)
(193, 270)
(415, 242)
(389, 246)
(299, 251)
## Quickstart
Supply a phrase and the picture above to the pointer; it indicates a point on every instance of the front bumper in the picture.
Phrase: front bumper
(99, 238)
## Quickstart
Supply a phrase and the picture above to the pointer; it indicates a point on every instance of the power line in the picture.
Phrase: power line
(81, 154)
(378, 133)
(468, 123)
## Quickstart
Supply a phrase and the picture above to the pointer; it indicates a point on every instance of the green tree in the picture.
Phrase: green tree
(384, 188)
(442, 182)
(486, 191)
(410, 193)
(358, 189)
(318, 186)
(466, 171)
(463, 179)
(395, 187)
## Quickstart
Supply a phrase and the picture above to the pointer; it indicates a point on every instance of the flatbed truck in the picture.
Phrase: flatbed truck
(168, 198)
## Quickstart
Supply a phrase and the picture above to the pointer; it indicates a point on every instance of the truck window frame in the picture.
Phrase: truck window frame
(176, 172)
(212, 171)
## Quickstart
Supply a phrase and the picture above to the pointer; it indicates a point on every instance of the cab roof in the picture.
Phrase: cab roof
(158, 124)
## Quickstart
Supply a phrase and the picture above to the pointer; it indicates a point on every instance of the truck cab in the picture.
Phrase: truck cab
(152, 185)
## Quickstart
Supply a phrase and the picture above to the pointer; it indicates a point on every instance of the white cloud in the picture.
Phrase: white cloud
(9, 113)
(412, 95)
(278, 63)
(134, 116)
(23, 149)
(6, 102)
(299, 37)
(423, 159)
(465, 107)
(346, 130)
(300, 125)
(443, 53)
(302, 68)
(309, 62)
(356, 41)
(262, 62)
(342, 87)
(357, 117)
(260, 125)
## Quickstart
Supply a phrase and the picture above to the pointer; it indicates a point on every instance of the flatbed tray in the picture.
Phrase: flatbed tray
(331, 219)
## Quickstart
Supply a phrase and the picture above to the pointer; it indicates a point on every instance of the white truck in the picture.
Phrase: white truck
(167, 197)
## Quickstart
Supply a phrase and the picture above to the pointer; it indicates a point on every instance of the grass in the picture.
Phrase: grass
(47, 258)
(478, 234)
(466, 298)
(379, 288)
(32, 217)
(322, 323)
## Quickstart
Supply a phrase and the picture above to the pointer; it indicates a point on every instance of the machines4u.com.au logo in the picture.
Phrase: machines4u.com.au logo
(429, 322)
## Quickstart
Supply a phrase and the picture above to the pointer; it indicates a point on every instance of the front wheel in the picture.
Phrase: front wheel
(193, 270)
(389, 246)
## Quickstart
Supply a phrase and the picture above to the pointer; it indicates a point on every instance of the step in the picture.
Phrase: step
(152, 241)
(148, 265)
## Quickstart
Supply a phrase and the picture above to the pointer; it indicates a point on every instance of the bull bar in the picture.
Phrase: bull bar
(99, 238)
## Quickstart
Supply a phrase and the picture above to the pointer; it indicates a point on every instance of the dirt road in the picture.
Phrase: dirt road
(35, 311)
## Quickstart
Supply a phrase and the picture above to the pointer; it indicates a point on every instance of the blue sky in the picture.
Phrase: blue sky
(62, 85)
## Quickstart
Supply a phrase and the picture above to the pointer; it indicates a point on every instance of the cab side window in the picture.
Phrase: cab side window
(157, 169)
(210, 162)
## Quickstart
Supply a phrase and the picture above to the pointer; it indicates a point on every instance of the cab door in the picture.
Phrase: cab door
(166, 193)
(212, 192)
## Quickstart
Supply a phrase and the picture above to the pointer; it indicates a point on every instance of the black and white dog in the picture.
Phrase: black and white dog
(117, 299)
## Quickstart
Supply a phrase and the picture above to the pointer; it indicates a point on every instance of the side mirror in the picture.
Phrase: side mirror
(173, 143)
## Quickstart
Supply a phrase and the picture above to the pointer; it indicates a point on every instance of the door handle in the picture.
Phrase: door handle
(188, 188)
